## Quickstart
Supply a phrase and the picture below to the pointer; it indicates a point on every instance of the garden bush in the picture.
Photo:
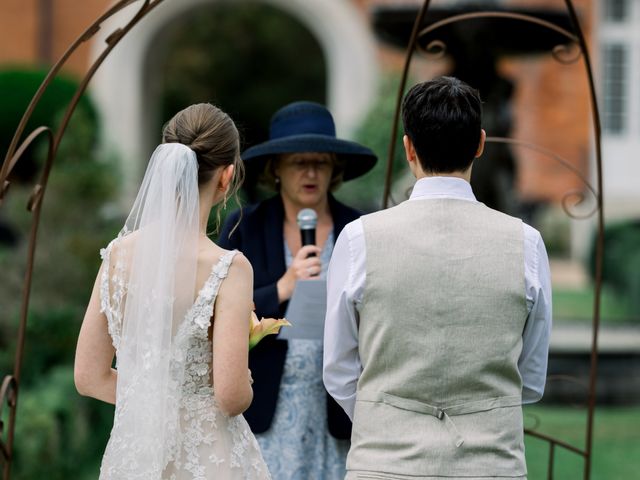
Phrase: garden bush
(19, 86)
(365, 193)
(621, 261)
(59, 434)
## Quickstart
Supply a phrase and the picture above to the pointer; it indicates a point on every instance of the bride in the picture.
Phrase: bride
(174, 309)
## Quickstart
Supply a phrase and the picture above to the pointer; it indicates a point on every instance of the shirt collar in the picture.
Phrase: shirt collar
(442, 187)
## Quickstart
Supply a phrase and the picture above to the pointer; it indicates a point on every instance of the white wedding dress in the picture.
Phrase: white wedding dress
(202, 443)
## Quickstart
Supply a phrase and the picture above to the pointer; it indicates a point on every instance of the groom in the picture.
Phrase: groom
(439, 313)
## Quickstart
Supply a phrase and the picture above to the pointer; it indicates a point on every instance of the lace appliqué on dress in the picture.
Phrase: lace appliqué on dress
(209, 445)
(113, 291)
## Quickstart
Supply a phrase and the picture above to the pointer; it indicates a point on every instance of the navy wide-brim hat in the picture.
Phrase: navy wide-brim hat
(308, 127)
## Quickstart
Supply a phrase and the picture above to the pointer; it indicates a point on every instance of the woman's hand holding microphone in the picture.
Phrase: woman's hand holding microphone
(305, 265)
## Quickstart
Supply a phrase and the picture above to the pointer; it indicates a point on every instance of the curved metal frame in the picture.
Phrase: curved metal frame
(9, 392)
(561, 54)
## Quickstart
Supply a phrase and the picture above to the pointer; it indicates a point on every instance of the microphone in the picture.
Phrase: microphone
(307, 221)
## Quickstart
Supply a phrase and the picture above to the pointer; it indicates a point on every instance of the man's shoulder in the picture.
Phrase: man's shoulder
(353, 231)
(532, 237)
(529, 231)
(383, 216)
(344, 211)
(500, 215)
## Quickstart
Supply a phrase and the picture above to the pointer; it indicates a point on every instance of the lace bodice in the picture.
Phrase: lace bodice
(193, 333)
(205, 443)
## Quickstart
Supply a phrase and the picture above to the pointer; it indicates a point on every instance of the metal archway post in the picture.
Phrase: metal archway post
(10, 387)
(576, 38)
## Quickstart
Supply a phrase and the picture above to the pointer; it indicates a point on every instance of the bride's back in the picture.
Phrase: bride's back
(181, 381)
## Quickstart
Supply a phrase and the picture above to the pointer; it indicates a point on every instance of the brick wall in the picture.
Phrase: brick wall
(20, 30)
(550, 104)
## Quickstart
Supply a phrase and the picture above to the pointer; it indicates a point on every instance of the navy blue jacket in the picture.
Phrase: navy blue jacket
(259, 236)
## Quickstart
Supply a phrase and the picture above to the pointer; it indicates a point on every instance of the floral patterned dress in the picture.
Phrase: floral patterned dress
(207, 444)
(298, 446)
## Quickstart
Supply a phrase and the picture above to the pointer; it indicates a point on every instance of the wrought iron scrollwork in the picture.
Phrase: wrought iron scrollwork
(570, 199)
(435, 50)
(565, 53)
(8, 396)
(568, 53)
(10, 385)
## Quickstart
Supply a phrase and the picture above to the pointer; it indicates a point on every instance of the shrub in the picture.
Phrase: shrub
(18, 87)
(621, 261)
(365, 193)
(59, 435)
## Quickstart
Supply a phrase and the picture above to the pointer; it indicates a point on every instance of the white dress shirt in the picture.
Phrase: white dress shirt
(345, 287)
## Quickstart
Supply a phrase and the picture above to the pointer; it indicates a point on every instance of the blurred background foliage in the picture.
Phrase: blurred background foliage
(239, 66)
(59, 435)
(23, 84)
(365, 193)
(255, 60)
(621, 263)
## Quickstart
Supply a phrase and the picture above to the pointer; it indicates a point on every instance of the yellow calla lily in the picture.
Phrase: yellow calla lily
(258, 329)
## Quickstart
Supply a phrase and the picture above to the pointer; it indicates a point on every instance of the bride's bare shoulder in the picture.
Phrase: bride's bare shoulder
(124, 243)
(209, 254)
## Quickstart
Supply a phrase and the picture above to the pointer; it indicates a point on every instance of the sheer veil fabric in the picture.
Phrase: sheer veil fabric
(153, 260)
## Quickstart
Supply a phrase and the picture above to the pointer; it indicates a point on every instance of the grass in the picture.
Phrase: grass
(577, 305)
(616, 447)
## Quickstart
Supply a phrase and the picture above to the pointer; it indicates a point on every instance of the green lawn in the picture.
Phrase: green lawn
(578, 305)
(616, 451)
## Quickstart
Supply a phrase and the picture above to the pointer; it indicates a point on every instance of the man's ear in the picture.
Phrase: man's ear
(483, 138)
(410, 151)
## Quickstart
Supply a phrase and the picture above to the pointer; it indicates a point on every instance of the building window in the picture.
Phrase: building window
(615, 10)
(614, 88)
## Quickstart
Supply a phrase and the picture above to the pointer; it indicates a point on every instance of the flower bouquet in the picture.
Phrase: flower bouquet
(258, 329)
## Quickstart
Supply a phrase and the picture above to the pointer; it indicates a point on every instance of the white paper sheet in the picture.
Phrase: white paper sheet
(306, 311)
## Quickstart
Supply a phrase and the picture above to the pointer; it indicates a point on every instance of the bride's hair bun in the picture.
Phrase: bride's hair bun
(212, 135)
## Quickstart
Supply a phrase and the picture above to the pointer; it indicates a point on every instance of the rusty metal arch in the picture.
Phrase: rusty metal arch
(563, 55)
(10, 387)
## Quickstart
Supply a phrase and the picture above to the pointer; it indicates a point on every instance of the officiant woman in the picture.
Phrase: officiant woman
(303, 433)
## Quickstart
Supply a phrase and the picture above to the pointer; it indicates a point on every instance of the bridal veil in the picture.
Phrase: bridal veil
(152, 274)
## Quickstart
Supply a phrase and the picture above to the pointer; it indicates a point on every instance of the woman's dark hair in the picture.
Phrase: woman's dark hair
(442, 117)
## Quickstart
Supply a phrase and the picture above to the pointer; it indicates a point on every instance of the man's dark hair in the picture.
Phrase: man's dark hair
(442, 117)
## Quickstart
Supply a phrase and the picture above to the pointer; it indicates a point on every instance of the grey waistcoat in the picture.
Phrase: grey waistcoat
(440, 335)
